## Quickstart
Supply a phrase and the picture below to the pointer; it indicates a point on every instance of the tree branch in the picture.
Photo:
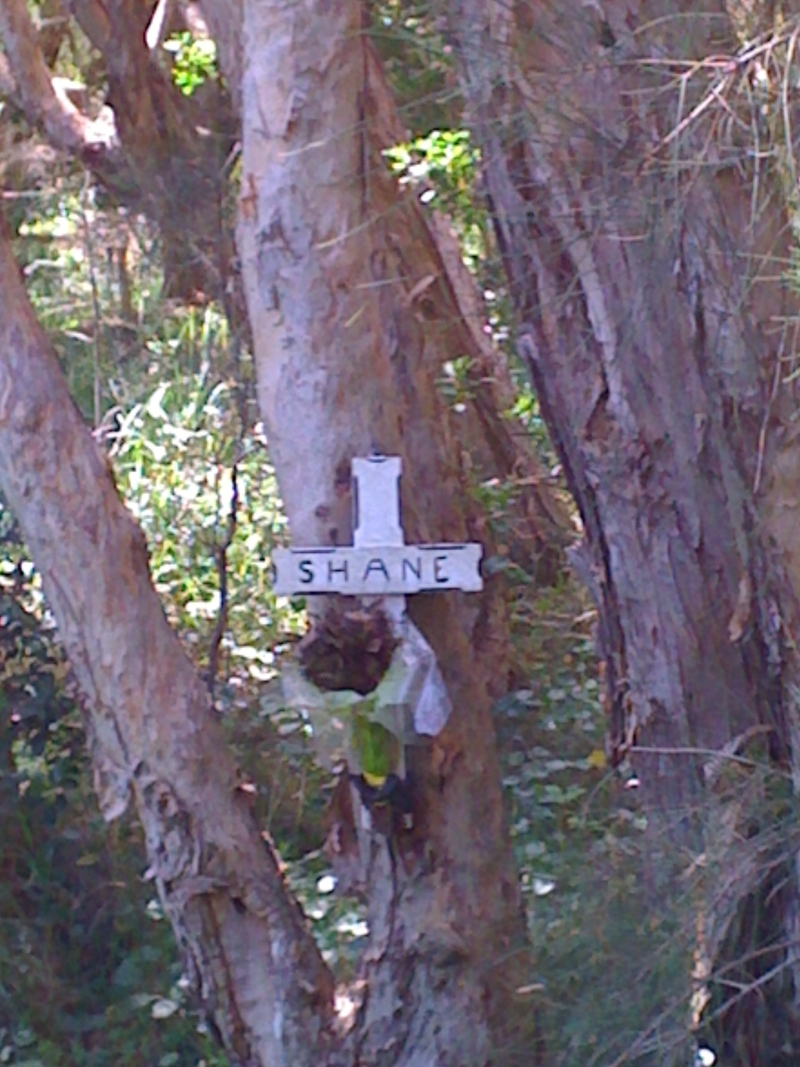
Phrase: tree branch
(92, 18)
(43, 98)
(149, 720)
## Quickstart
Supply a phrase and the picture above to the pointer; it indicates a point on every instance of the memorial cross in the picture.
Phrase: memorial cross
(379, 563)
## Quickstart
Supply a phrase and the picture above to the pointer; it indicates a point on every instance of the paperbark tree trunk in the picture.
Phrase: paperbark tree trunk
(152, 732)
(353, 316)
(491, 445)
(645, 241)
(652, 329)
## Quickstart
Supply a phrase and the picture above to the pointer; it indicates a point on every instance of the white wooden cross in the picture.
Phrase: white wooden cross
(379, 563)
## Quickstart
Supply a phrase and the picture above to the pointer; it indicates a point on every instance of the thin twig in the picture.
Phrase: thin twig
(688, 750)
(221, 563)
(95, 306)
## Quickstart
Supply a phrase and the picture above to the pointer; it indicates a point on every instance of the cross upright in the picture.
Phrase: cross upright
(379, 563)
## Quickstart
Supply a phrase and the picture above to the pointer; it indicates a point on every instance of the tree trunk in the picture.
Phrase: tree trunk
(151, 729)
(352, 318)
(492, 445)
(644, 241)
(649, 325)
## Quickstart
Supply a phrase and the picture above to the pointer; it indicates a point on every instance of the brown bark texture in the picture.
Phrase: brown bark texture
(352, 317)
(152, 732)
(644, 243)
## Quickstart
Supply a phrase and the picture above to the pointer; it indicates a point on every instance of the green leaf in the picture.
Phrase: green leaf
(378, 749)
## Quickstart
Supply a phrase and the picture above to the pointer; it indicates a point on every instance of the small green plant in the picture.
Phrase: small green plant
(202, 488)
(194, 60)
(442, 165)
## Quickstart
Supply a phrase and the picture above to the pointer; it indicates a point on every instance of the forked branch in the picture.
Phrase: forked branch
(152, 732)
(44, 99)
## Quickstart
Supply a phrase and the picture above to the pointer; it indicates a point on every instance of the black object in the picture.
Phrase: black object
(393, 794)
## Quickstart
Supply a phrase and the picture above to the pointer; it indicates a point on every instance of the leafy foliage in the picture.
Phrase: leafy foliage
(194, 60)
(418, 62)
(82, 966)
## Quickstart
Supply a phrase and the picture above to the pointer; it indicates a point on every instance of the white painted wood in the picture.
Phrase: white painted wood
(395, 570)
(377, 482)
(379, 563)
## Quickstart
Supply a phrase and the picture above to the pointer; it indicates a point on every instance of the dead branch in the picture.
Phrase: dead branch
(45, 100)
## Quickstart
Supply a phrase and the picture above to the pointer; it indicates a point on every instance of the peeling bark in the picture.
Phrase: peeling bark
(151, 729)
(348, 345)
(645, 240)
(649, 333)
